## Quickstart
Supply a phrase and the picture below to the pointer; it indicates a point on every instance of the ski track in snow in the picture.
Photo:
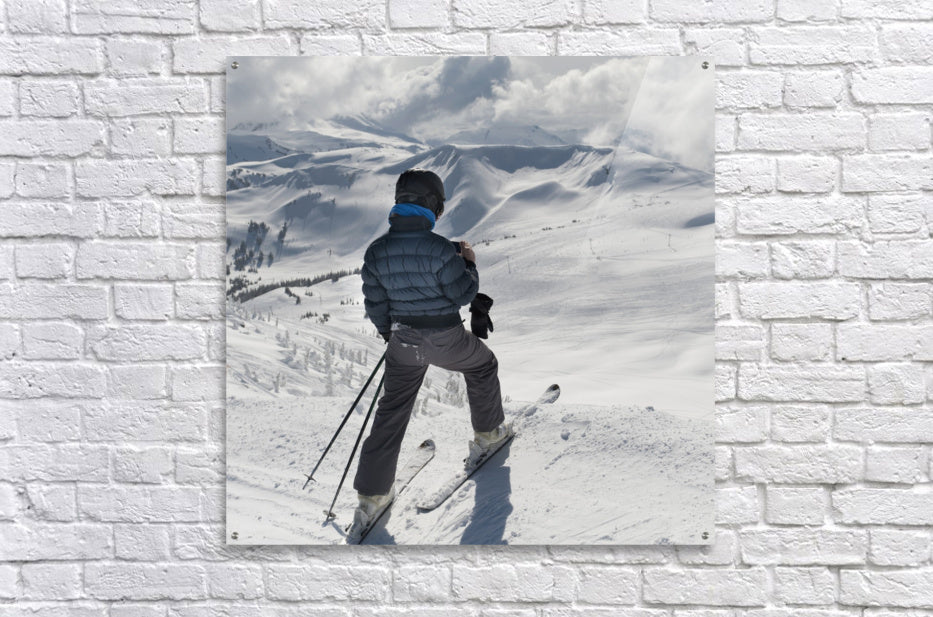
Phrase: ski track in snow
(606, 290)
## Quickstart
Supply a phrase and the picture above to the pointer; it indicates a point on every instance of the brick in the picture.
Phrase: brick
(726, 129)
(519, 43)
(57, 99)
(9, 582)
(606, 12)
(900, 301)
(200, 466)
(140, 219)
(619, 42)
(145, 421)
(193, 221)
(790, 300)
(898, 213)
(749, 89)
(144, 96)
(141, 137)
(803, 260)
(331, 582)
(741, 425)
(147, 382)
(135, 542)
(50, 55)
(38, 380)
(128, 178)
(55, 542)
(897, 384)
(802, 384)
(718, 11)
(725, 382)
(712, 587)
(785, 215)
(58, 463)
(422, 584)
(369, 15)
(230, 16)
(199, 301)
(725, 45)
(906, 589)
(208, 54)
(892, 547)
(149, 302)
(8, 99)
(127, 16)
(528, 583)
(52, 502)
(198, 383)
(147, 342)
(418, 14)
(44, 17)
(51, 421)
(800, 464)
(807, 10)
(883, 506)
(503, 15)
(721, 552)
(7, 179)
(886, 172)
(902, 131)
(724, 301)
(45, 261)
(153, 465)
(199, 135)
(886, 9)
(744, 174)
(9, 501)
(737, 506)
(29, 138)
(804, 547)
(902, 259)
(211, 264)
(52, 341)
(815, 131)
(314, 44)
(893, 85)
(234, 582)
(56, 582)
(130, 581)
(11, 344)
(800, 424)
(127, 609)
(907, 43)
(813, 45)
(796, 506)
(808, 89)
(427, 43)
(134, 57)
(723, 467)
(607, 585)
(807, 174)
(801, 342)
(884, 425)
(739, 342)
(895, 465)
(138, 504)
(43, 180)
(139, 261)
(882, 342)
(807, 586)
(214, 176)
(56, 301)
(742, 259)
(27, 220)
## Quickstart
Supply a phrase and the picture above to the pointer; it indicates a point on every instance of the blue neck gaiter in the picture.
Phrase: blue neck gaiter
(412, 210)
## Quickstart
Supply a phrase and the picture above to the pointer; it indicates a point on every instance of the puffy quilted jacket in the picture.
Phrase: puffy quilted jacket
(411, 274)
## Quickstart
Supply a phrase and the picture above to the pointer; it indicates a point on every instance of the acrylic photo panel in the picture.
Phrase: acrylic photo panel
(585, 186)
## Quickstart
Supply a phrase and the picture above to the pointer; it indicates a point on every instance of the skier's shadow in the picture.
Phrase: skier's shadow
(491, 507)
(379, 534)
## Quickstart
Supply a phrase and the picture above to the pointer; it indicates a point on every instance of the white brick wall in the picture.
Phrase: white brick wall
(111, 344)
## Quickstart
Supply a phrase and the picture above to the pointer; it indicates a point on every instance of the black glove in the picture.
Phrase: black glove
(386, 336)
(480, 323)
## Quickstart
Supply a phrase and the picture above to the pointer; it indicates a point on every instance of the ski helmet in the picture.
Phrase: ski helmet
(421, 187)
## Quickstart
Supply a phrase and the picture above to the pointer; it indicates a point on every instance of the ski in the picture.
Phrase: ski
(442, 494)
(403, 478)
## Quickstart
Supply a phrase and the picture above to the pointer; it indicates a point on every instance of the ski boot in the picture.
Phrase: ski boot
(486, 443)
(368, 511)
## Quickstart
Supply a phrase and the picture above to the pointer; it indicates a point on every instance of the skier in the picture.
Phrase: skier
(414, 283)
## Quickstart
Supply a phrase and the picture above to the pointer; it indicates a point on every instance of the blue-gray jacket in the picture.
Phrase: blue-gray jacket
(414, 276)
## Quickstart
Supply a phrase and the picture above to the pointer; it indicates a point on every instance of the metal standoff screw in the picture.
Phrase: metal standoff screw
(236, 65)
(705, 65)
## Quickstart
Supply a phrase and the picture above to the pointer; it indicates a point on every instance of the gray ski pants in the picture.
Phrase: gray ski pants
(409, 354)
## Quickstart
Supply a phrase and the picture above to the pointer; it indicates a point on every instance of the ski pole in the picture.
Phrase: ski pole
(330, 511)
(345, 418)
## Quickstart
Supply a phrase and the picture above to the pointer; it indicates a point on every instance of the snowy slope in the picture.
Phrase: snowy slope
(600, 264)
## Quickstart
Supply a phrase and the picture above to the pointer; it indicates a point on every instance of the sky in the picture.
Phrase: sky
(660, 105)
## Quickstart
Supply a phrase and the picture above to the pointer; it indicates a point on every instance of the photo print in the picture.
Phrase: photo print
(470, 300)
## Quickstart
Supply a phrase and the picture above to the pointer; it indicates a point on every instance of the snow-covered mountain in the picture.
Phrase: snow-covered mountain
(600, 261)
